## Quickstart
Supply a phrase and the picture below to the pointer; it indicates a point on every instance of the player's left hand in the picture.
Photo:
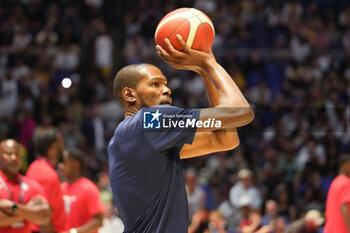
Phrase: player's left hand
(38, 200)
(6, 205)
(188, 59)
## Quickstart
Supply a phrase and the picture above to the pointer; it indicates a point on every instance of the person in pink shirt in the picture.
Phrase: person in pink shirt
(22, 201)
(49, 147)
(81, 196)
(338, 200)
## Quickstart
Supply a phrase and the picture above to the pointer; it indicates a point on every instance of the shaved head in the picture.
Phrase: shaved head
(10, 158)
(128, 76)
(8, 143)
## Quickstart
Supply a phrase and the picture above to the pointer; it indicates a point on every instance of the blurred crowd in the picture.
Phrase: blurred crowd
(291, 59)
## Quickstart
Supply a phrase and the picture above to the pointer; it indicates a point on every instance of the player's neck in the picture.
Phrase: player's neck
(74, 177)
(131, 110)
(9, 175)
(129, 113)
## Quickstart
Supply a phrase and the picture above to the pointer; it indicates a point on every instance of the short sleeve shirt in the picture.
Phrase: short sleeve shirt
(42, 172)
(30, 190)
(338, 194)
(81, 201)
(146, 174)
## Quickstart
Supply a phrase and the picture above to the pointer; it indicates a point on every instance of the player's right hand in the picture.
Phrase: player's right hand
(187, 59)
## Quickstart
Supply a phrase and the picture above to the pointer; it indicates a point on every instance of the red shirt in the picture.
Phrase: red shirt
(42, 171)
(339, 193)
(30, 189)
(82, 201)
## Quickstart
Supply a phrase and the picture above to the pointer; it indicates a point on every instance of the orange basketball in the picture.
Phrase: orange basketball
(193, 25)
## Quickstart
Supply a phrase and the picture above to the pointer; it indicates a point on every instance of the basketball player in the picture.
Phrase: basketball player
(145, 171)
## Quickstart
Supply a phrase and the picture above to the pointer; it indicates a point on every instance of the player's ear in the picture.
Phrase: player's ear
(129, 94)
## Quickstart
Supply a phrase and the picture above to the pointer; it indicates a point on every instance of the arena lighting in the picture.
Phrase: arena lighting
(66, 83)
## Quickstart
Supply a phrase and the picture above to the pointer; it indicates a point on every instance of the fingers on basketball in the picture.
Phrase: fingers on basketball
(182, 43)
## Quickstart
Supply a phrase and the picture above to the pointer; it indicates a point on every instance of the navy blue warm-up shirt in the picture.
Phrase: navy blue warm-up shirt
(146, 175)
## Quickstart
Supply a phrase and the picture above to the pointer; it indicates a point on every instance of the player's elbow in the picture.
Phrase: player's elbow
(233, 144)
(244, 116)
(250, 115)
(43, 217)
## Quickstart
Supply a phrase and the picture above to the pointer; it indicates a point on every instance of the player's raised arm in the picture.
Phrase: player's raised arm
(226, 100)
(232, 109)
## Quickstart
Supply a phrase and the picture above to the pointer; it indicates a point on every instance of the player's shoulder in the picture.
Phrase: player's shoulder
(340, 181)
(342, 178)
(161, 108)
(87, 182)
(42, 172)
(87, 185)
(40, 165)
(129, 123)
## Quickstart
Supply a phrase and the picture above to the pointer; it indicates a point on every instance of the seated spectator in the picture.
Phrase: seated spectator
(285, 202)
(299, 82)
(217, 223)
(251, 218)
(271, 213)
(261, 94)
(276, 226)
(245, 188)
(22, 199)
(199, 222)
(311, 151)
(310, 223)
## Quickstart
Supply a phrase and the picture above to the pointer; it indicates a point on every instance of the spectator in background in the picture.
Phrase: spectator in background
(111, 221)
(25, 124)
(250, 217)
(67, 58)
(81, 197)
(286, 205)
(312, 151)
(34, 33)
(276, 226)
(245, 188)
(93, 128)
(195, 194)
(49, 147)
(22, 199)
(338, 200)
(261, 94)
(104, 51)
(8, 95)
(272, 221)
(310, 223)
(217, 223)
(271, 213)
(199, 222)
(21, 39)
